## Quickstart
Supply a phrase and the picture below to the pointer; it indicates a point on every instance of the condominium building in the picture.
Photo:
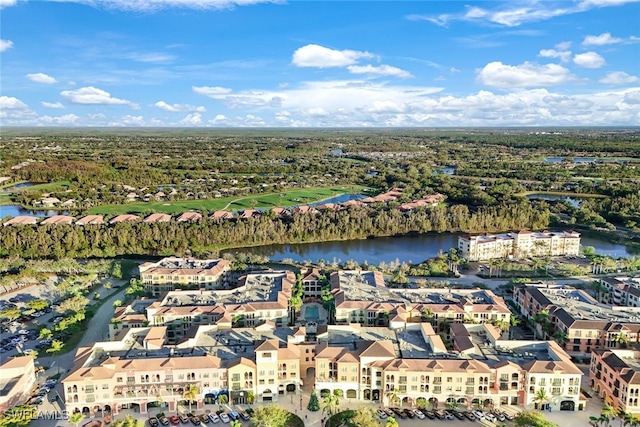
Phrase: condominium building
(520, 244)
(362, 297)
(172, 273)
(620, 291)
(17, 379)
(576, 319)
(615, 376)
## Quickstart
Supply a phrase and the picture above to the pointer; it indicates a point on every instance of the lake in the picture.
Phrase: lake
(17, 210)
(405, 248)
(573, 201)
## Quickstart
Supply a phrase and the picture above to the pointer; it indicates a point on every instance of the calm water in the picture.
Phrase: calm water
(585, 159)
(573, 201)
(405, 249)
(17, 186)
(17, 210)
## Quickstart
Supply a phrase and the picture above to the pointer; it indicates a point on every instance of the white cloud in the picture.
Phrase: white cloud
(154, 57)
(67, 120)
(529, 74)
(52, 104)
(513, 14)
(313, 55)
(589, 60)
(7, 3)
(564, 55)
(42, 78)
(619, 78)
(601, 40)
(129, 120)
(93, 96)
(179, 108)
(379, 70)
(563, 45)
(14, 111)
(193, 119)
(211, 91)
(155, 5)
(5, 44)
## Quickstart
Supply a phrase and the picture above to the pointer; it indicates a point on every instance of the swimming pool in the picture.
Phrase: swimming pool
(311, 312)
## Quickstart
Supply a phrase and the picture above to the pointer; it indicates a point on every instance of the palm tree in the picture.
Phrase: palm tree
(393, 397)
(76, 417)
(608, 412)
(223, 399)
(190, 394)
(561, 338)
(541, 398)
(330, 404)
(55, 349)
(427, 314)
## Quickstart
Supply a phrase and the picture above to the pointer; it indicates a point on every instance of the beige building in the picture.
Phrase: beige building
(520, 244)
(17, 379)
(171, 273)
(615, 376)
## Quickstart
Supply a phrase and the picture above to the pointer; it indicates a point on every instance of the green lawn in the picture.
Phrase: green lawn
(269, 200)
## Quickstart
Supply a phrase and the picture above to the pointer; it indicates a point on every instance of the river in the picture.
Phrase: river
(405, 249)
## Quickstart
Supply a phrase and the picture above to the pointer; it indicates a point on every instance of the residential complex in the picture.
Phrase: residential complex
(620, 291)
(577, 320)
(615, 377)
(519, 244)
(169, 273)
(17, 379)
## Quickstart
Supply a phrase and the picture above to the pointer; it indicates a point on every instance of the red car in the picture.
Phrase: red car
(174, 420)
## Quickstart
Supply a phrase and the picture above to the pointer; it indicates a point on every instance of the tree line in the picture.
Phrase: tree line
(207, 236)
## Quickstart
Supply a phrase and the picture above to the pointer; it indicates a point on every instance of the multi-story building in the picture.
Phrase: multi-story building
(312, 282)
(519, 244)
(620, 291)
(171, 273)
(259, 296)
(17, 379)
(362, 297)
(615, 376)
(577, 320)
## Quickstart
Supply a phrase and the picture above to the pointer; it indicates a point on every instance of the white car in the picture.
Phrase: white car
(419, 414)
(224, 417)
(381, 414)
(478, 414)
(214, 418)
(490, 417)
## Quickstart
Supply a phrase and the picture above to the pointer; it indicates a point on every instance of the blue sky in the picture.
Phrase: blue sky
(221, 63)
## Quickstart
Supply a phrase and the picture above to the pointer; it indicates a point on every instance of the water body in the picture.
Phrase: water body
(17, 210)
(339, 199)
(406, 249)
(573, 201)
(17, 187)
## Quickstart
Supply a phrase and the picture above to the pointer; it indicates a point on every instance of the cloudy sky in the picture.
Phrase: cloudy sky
(220, 63)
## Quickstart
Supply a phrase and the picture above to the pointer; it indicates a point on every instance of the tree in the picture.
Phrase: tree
(393, 397)
(314, 404)
(18, 416)
(190, 394)
(541, 398)
(608, 412)
(55, 349)
(45, 333)
(128, 421)
(37, 304)
(330, 404)
(76, 417)
(117, 303)
(250, 397)
(391, 422)
(223, 399)
(532, 419)
(364, 417)
(235, 423)
(270, 416)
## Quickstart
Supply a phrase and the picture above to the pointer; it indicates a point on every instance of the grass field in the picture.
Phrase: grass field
(5, 198)
(269, 200)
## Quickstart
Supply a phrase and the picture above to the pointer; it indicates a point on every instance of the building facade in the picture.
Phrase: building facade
(173, 273)
(615, 376)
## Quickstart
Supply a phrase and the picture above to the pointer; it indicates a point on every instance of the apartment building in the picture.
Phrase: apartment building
(576, 319)
(174, 273)
(615, 375)
(17, 379)
(260, 296)
(620, 291)
(519, 244)
(362, 297)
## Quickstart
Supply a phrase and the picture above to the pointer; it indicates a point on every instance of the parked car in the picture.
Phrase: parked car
(163, 420)
(205, 418)
(458, 415)
(470, 416)
(234, 415)
(214, 418)
(399, 412)
(153, 422)
(478, 414)
(409, 413)
(244, 416)
(183, 418)
(429, 414)
(195, 420)
(381, 414)
(389, 412)
(419, 414)
(224, 417)
(174, 420)
(490, 417)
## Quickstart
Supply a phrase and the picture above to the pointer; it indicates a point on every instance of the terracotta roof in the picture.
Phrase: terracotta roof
(158, 217)
(22, 220)
(221, 215)
(190, 217)
(91, 219)
(124, 218)
(59, 219)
